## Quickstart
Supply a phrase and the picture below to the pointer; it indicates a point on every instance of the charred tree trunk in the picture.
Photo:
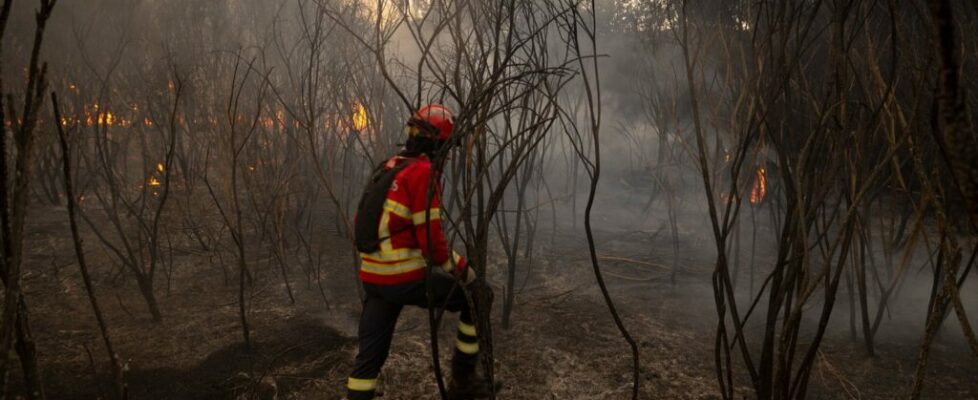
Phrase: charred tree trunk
(146, 290)
(13, 206)
(117, 371)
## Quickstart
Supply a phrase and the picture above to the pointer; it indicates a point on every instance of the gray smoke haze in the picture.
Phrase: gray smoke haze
(106, 47)
(307, 70)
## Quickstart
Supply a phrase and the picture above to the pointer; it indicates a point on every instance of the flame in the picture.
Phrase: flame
(759, 189)
(153, 181)
(267, 122)
(147, 121)
(94, 116)
(280, 118)
(159, 167)
(273, 122)
(359, 117)
(106, 118)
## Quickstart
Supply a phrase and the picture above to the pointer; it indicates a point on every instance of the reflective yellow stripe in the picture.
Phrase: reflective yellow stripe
(419, 217)
(361, 385)
(393, 255)
(466, 329)
(387, 251)
(398, 209)
(391, 264)
(467, 348)
(392, 269)
(383, 232)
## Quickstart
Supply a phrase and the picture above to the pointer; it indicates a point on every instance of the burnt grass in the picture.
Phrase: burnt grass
(561, 344)
(235, 369)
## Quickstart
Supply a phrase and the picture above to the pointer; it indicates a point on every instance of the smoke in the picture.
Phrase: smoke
(651, 200)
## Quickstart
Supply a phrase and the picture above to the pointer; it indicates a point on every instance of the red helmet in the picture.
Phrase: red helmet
(433, 120)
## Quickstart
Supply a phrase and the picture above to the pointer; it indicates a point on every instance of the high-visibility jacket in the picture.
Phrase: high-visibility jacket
(404, 232)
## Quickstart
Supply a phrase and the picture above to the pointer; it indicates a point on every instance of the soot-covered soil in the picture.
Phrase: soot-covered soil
(562, 343)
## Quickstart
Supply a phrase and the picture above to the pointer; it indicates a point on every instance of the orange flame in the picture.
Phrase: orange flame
(759, 189)
(153, 181)
(267, 122)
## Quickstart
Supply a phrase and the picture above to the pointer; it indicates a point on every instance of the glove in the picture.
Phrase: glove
(465, 275)
(464, 272)
(458, 268)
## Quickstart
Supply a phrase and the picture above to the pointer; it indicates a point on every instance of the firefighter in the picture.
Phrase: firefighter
(398, 225)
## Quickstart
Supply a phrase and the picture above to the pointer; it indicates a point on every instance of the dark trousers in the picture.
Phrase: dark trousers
(381, 308)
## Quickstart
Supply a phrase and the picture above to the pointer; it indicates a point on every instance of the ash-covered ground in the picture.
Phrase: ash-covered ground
(562, 343)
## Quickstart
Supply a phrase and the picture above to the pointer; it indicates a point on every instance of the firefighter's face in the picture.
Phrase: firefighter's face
(442, 148)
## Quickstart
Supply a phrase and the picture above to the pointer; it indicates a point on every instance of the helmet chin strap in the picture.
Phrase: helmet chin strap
(436, 150)
(417, 145)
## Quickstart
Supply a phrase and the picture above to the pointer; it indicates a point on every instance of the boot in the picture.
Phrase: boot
(470, 385)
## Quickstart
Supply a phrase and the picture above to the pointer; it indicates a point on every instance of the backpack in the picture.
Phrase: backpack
(371, 206)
